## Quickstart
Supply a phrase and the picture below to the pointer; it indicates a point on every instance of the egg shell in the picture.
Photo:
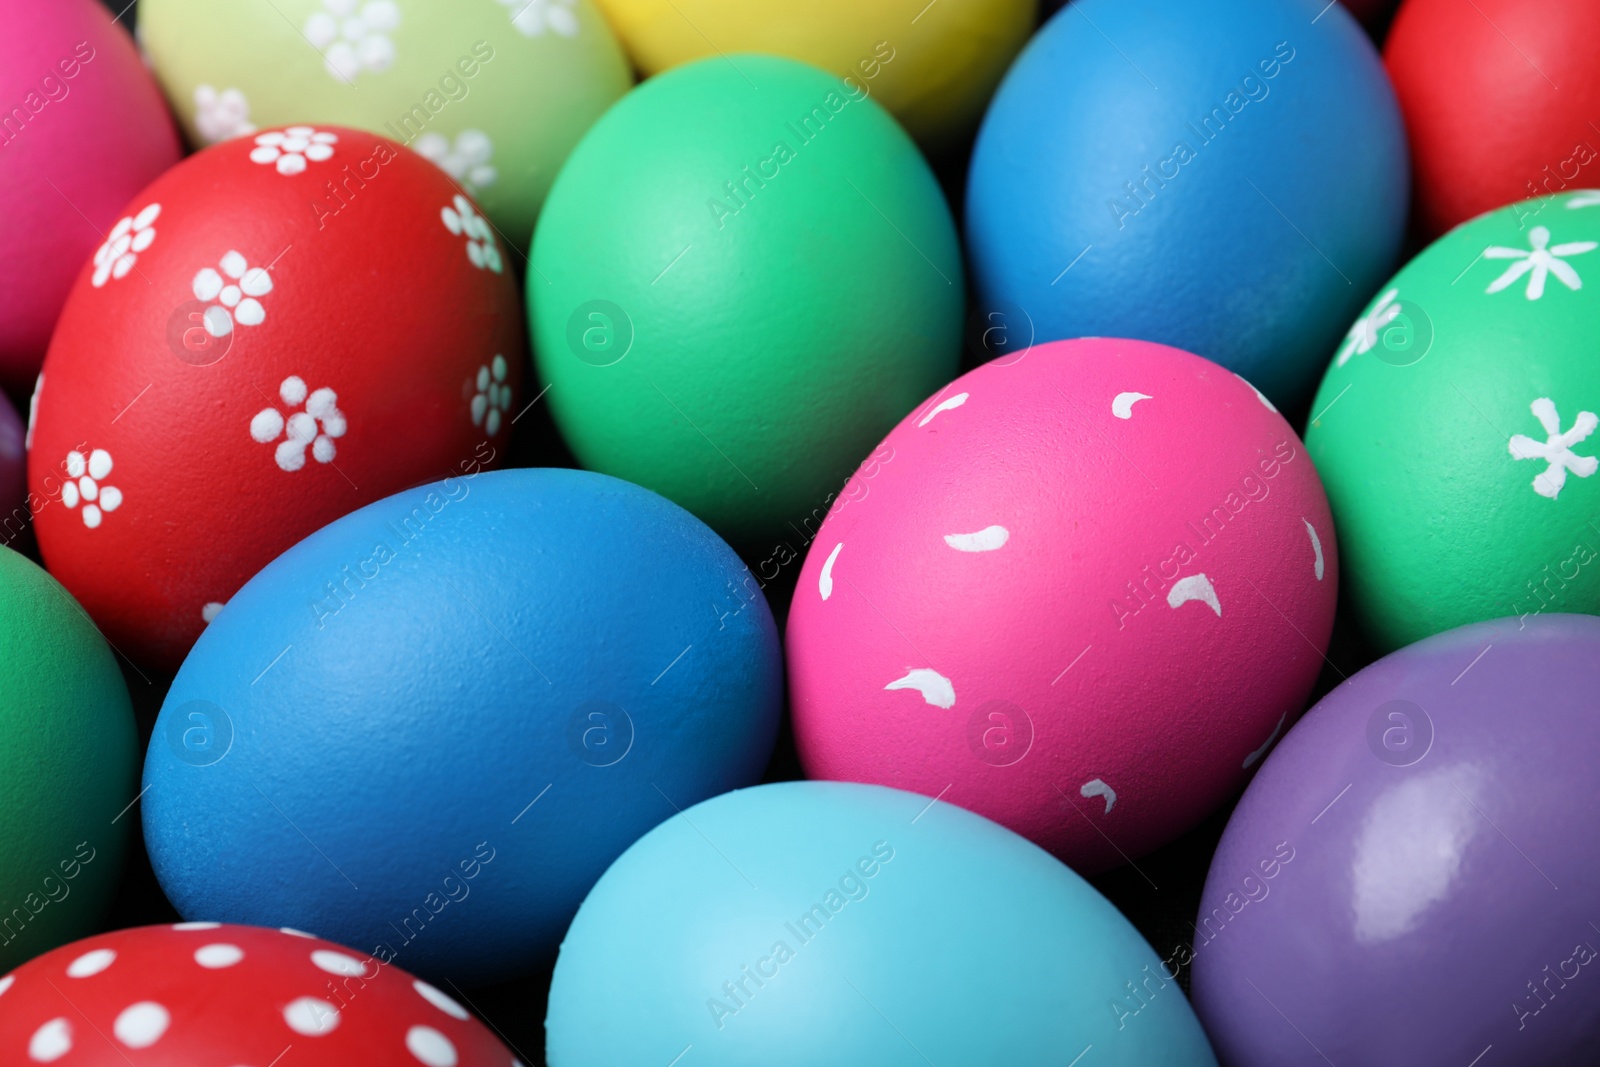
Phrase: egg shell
(82, 128)
(67, 766)
(1497, 99)
(373, 343)
(1430, 827)
(1229, 177)
(1080, 591)
(933, 66)
(520, 670)
(851, 924)
(495, 93)
(14, 513)
(1457, 494)
(739, 353)
(199, 994)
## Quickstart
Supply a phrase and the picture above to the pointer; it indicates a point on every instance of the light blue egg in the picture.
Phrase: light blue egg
(810, 923)
(427, 729)
(1226, 176)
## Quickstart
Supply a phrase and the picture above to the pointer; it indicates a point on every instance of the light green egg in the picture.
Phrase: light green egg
(495, 91)
(1456, 429)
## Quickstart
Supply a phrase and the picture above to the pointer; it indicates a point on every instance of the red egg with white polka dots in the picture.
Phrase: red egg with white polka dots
(279, 330)
(210, 995)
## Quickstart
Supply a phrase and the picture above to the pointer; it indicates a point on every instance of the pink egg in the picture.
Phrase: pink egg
(82, 129)
(1081, 591)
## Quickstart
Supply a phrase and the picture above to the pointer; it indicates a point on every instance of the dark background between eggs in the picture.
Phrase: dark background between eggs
(1160, 894)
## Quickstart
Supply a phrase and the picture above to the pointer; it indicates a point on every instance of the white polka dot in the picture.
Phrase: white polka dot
(50, 1042)
(91, 963)
(210, 611)
(141, 1025)
(195, 926)
(6, 982)
(431, 1047)
(293, 932)
(338, 963)
(218, 955)
(311, 1017)
(439, 1000)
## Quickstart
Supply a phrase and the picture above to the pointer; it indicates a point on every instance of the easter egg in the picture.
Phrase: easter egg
(67, 761)
(734, 294)
(1228, 177)
(198, 994)
(1080, 591)
(838, 923)
(495, 93)
(82, 128)
(262, 359)
(427, 729)
(1419, 854)
(1454, 429)
(14, 513)
(933, 66)
(1497, 97)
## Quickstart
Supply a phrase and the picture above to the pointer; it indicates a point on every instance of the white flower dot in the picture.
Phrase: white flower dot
(311, 1017)
(99, 463)
(91, 963)
(439, 1000)
(266, 425)
(293, 390)
(214, 957)
(430, 1047)
(141, 1025)
(210, 611)
(110, 498)
(91, 516)
(76, 464)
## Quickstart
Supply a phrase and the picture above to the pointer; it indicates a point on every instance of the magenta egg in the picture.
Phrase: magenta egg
(82, 129)
(1080, 591)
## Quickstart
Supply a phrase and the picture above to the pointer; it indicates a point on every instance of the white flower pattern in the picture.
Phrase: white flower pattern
(1556, 449)
(467, 160)
(354, 37)
(289, 149)
(130, 236)
(493, 398)
(462, 220)
(220, 116)
(236, 298)
(316, 427)
(87, 473)
(1538, 261)
(533, 17)
(1363, 336)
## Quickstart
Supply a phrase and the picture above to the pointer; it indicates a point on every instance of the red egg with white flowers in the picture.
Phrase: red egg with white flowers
(279, 330)
(204, 994)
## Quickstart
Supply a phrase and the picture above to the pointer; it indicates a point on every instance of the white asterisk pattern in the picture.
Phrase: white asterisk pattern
(1538, 261)
(88, 473)
(1363, 336)
(1556, 449)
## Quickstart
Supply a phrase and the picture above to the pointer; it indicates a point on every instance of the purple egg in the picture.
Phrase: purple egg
(1414, 875)
(13, 472)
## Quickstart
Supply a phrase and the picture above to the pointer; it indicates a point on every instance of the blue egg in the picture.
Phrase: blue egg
(1225, 176)
(427, 729)
(811, 923)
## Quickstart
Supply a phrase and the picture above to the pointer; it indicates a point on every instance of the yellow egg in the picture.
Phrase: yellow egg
(934, 65)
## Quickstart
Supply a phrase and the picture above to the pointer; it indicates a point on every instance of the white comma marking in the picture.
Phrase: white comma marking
(1096, 787)
(1316, 546)
(1122, 405)
(825, 580)
(985, 540)
(1195, 587)
(1259, 394)
(934, 687)
(949, 404)
(1262, 751)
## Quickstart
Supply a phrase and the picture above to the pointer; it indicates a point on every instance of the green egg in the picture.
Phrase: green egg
(495, 91)
(1455, 430)
(743, 278)
(68, 766)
